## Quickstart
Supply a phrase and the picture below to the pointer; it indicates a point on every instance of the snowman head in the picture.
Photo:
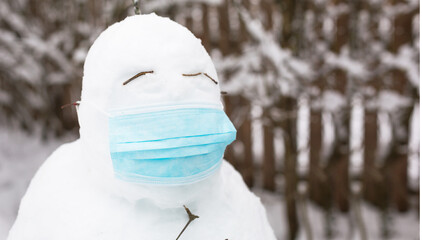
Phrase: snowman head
(143, 62)
(147, 60)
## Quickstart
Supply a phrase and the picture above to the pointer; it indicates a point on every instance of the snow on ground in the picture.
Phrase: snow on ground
(21, 155)
(403, 226)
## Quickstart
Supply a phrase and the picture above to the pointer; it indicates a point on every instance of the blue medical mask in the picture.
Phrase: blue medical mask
(171, 146)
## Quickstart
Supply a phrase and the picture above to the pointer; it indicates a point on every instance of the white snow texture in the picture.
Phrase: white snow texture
(74, 194)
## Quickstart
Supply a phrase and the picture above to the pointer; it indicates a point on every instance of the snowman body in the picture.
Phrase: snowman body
(75, 194)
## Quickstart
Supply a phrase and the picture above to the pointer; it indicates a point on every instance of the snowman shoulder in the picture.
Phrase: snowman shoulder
(237, 189)
(39, 205)
(64, 159)
(252, 211)
(233, 181)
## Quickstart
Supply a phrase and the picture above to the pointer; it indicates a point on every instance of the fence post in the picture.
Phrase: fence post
(268, 169)
(339, 162)
(246, 133)
(290, 162)
(397, 161)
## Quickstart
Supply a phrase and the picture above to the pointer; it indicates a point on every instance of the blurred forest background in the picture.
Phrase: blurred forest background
(324, 93)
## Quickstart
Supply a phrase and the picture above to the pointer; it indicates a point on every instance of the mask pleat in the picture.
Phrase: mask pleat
(174, 142)
(177, 123)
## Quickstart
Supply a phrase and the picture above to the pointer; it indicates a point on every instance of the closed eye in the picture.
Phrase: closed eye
(205, 74)
(136, 76)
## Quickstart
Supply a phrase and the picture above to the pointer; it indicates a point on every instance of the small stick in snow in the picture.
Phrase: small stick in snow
(196, 74)
(212, 79)
(191, 218)
(136, 76)
(191, 75)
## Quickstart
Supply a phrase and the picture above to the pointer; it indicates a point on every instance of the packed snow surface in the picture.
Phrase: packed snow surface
(64, 202)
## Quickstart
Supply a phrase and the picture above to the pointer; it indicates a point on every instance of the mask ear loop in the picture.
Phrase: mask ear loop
(95, 107)
(76, 104)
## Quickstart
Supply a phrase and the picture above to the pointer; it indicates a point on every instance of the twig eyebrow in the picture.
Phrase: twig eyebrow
(196, 74)
(136, 76)
(212, 79)
(191, 75)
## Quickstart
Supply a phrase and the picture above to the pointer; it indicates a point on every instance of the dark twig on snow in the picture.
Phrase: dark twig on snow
(196, 74)
(191, 218)
(191, 75)
(212, 79)
(136, 76)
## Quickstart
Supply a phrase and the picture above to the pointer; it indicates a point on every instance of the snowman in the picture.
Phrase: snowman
(149, 163)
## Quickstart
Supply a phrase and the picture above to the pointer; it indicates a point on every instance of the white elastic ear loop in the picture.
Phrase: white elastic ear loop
(94, 137)
(95, 107)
